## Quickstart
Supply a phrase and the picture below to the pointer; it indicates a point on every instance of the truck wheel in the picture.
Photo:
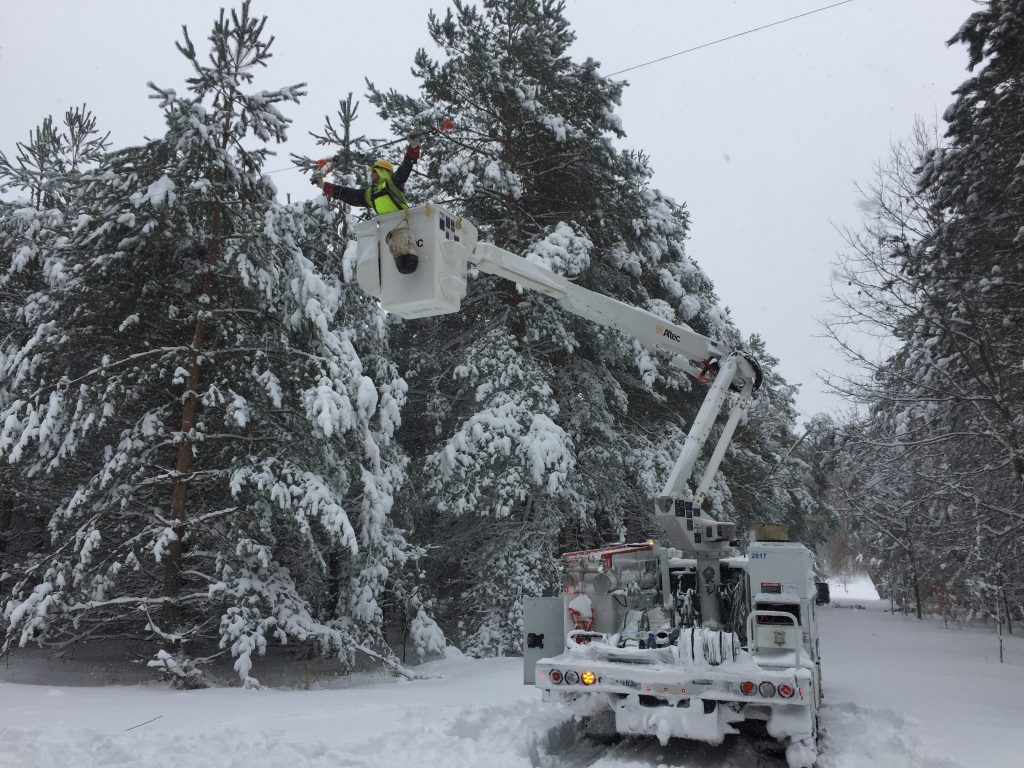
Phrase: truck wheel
(601, 727)
(802, 753)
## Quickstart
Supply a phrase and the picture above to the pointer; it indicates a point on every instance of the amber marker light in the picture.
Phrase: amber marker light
(588, 678)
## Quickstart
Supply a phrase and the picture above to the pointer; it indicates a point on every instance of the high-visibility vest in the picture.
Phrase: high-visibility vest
(386, 197)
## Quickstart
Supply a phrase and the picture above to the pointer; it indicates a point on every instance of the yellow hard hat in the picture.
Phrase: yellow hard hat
(384, 165)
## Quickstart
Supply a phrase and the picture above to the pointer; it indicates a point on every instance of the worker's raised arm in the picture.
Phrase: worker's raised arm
(412, 154)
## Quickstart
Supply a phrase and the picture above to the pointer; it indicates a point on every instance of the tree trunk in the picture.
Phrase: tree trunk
(348, 115)
(6, 518)
(333, 581)
(6, 521)
(183, 463)
(916, 584)
(1006, 611)
(190, 408)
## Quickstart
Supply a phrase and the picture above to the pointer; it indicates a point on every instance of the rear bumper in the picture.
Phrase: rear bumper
(681, 702)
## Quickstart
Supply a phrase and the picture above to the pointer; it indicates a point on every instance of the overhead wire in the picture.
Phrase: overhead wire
(729, 37)
(661, 58)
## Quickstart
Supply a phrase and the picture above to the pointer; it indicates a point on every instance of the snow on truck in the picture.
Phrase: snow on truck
(681, 641)
(627, 647)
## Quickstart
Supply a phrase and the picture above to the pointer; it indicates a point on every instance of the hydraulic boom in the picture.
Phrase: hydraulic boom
(444, 246)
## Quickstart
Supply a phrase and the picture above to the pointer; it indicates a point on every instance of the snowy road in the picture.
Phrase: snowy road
(899, 694)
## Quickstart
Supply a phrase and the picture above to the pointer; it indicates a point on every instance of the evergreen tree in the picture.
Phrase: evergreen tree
(937, 469)
(45, 176)
(968, 340)
(236, 462)
(535, 431)
(970, 270)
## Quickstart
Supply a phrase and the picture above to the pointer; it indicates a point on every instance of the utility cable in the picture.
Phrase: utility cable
(730, 37)
(647, 63)
(663, 58)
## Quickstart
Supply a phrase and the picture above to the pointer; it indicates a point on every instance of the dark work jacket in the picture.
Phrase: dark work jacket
(356, 196)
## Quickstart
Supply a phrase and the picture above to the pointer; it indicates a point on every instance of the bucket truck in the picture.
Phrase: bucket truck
(687, 640)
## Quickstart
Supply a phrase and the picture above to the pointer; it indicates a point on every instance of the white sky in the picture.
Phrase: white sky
(762, 137)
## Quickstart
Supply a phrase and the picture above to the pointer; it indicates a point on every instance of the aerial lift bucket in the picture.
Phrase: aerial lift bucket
(415, 261)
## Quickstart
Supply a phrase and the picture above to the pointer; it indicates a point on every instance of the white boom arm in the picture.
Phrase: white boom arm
(691, 351)
(437, 244)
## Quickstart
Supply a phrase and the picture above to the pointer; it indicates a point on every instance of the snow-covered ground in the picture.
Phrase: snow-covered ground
(903, 692)
(899, 694)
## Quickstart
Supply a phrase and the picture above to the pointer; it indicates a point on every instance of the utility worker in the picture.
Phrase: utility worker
(385, 193)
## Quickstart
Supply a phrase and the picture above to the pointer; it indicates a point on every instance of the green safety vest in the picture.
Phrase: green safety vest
(385, 197)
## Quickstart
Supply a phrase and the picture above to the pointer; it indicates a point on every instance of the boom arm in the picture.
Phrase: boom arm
(692, 352)
(439, 245)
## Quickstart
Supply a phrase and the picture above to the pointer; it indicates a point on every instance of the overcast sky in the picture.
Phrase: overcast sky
(763, 136)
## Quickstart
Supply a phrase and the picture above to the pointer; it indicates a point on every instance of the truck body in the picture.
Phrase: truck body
(626, 645)
(679, 641)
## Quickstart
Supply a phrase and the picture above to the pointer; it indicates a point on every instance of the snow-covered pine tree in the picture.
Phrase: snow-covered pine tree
(44, 175)
(205, 375)
(938, 266)
(534, 431)
(968, 342)
(405, 604)
(970, 269)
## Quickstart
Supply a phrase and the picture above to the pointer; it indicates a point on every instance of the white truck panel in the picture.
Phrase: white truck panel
(545, 626)
(785, 563)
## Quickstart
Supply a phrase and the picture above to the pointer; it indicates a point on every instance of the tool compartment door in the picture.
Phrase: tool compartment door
(544, 630)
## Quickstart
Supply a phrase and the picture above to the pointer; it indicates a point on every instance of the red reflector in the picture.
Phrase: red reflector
(786, 691)
(747, 688)
(555, 675)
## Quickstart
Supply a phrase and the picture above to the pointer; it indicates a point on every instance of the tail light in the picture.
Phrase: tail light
(747, 688)
(588, 678)
(555, 676)
(786, 691)
(572, 677)
(766, 689)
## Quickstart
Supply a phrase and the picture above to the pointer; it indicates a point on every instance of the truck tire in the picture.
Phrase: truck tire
(601, 727)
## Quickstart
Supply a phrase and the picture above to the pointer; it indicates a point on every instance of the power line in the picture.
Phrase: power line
(730, 37)
(663, 58)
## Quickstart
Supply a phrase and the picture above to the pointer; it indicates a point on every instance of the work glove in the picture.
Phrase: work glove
(329, 188)
(412, 152)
